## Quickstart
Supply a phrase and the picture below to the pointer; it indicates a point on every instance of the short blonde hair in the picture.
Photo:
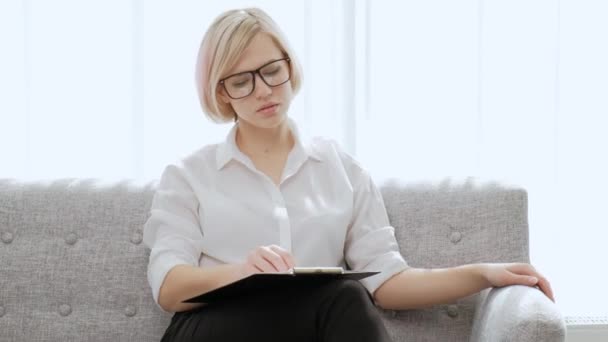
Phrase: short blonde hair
(223, 43)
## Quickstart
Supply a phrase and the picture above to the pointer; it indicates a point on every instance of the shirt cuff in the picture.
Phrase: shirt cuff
(389, 265)
(159, 266)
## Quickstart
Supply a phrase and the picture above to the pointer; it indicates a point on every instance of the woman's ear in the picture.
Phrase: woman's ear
(223, 97)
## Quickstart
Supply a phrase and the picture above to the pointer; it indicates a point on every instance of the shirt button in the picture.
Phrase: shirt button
(453, 311)
(280, 212)
(65, 310)
(130, 311)
(71, 238)
(456, 236)
(136, 238)
(7, 237)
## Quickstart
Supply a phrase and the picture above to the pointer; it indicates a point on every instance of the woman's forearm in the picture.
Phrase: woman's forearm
(186, 281)
(419, 288)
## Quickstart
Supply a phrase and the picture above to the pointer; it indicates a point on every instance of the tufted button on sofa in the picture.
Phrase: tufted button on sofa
(456, 237)
(7, 237)
(130, 311)
(136, 238)
(73, 265)
(65, 310)
(452, 311)
(71, 238)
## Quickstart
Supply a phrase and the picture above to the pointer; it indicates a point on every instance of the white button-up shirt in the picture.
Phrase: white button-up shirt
(213, 207)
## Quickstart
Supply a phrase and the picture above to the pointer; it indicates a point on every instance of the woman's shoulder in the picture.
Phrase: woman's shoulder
(196, 160)
(331, 149)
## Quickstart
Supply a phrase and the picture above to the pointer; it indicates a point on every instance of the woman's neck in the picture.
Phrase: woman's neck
(255, 141)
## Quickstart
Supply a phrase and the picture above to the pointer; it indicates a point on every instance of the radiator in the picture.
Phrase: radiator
(587, 329)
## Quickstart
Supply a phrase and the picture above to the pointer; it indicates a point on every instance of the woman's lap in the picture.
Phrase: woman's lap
(292, 314)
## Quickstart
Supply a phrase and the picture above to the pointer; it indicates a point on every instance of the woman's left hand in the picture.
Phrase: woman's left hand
(500, 275)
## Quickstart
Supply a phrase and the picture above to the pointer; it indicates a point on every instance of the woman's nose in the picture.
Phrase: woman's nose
(261, 88)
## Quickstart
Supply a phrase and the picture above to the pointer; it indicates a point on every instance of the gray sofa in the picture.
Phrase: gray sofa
(73, 266)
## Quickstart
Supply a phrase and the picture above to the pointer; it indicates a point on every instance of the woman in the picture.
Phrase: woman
(265, 201)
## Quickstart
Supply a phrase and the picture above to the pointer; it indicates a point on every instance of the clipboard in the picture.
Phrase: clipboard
(266, 282)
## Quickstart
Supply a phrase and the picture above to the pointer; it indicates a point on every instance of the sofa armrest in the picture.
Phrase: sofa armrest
(516, 313)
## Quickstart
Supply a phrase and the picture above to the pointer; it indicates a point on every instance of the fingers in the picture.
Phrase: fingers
(532, 277)
(258, 263)
(525, 279)
(274, 259)
(285, 255)
(521, 268)
(545, 286)
(271, 259)
(263, 264)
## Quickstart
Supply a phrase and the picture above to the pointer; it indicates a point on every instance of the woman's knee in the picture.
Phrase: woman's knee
(350, 291)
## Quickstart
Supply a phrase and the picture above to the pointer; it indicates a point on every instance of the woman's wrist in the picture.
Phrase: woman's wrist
(243, 270)
(480, 272)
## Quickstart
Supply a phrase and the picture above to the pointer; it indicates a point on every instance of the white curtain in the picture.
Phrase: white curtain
(514, 91)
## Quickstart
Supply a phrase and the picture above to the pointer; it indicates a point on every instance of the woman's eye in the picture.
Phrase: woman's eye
(271, 72)
(239, 84)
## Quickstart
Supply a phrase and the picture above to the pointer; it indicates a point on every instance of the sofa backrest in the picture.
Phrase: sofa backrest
(73, 265)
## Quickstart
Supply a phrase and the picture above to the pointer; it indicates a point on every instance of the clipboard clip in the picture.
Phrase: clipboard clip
(317, 270)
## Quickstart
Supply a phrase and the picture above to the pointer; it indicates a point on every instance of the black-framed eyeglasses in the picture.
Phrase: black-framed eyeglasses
(273, 73)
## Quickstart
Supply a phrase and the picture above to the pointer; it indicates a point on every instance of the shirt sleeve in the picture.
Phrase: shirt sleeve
(370, 242)
(172, 231)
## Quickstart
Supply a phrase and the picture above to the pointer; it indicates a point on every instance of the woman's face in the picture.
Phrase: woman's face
(253, 109)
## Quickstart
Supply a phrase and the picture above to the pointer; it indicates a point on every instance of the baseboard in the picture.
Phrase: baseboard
(587, 329)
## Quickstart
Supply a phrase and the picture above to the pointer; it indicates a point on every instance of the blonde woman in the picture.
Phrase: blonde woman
(265, 201)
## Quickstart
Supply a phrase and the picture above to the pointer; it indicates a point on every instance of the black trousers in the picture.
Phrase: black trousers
(341, 310)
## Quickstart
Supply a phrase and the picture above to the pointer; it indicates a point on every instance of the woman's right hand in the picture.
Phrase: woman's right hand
(270, 258)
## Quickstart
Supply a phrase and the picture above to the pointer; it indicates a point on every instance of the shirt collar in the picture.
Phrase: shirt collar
(228, 149)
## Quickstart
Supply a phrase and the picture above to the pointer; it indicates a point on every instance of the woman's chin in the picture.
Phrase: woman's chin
(266, 121)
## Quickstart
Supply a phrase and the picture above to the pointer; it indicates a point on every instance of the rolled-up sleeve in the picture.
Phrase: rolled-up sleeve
(172, 232)
(370, 242)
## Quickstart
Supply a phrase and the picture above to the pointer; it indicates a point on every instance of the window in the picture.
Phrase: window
(511, 91)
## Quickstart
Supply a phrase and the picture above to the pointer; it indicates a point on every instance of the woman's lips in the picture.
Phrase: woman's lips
(269, 110)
